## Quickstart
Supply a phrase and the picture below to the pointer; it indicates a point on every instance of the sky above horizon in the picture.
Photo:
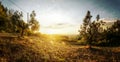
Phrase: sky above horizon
(64, 16)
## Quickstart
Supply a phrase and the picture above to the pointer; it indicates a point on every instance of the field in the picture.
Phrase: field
(53, 48)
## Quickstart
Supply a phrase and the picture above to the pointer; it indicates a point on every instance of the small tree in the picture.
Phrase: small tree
(34, 24)
(84, 32)
(98, 17)
(95, 30)
(113, 34)
(90, 30)
(18, 24)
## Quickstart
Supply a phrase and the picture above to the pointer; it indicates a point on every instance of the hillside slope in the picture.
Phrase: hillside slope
(44, 49)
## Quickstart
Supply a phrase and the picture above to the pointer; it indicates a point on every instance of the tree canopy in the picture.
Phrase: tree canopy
(93, 33)
(12, 21)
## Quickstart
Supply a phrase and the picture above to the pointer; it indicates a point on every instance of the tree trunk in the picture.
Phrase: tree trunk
(22, 33)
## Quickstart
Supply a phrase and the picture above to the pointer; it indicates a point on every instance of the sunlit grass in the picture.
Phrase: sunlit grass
(53, 48)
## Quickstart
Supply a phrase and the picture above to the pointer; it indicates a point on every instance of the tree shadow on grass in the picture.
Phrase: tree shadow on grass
(98, 55)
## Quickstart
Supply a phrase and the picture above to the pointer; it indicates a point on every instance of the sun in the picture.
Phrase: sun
(50, 31)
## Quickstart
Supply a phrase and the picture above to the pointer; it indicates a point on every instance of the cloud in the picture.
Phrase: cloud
(59, 26)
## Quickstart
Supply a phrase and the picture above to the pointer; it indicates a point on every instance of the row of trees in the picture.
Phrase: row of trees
(93, 33)
(12, 22)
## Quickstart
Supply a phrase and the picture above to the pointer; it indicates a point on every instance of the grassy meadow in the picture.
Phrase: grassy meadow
(54, 48)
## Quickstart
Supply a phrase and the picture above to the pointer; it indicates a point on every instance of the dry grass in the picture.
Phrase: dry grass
(49, 49)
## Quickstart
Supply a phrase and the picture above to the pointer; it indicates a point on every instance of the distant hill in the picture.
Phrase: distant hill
(108, 22)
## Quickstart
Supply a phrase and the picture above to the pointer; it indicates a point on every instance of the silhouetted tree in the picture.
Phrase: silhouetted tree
(98, 17)
(90, 30)
(3, 18)
(95, 30)
(12, 21)
(84, 32)
(113, 34)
